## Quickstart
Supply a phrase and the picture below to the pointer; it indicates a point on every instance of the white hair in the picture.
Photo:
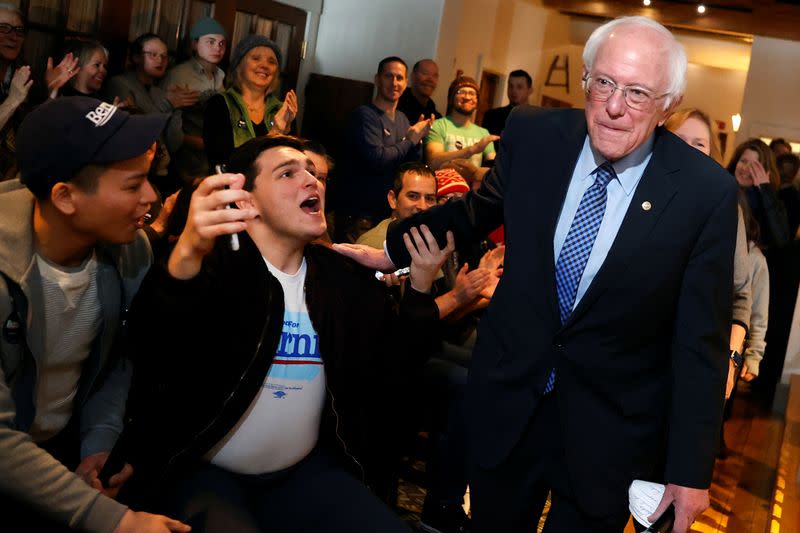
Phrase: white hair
(11, 8)
(677, 61)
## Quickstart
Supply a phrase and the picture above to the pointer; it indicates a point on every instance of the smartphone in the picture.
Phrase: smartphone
(220, 169)
(664, 523)
(402, 272)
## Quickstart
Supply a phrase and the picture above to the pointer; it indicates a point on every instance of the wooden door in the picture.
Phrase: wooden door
(489, 83)
(286, 25)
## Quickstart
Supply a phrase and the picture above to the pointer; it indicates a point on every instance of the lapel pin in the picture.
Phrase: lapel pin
(647, 205)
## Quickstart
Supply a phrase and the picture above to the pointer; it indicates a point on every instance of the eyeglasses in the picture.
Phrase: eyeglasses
(8, 28)
(470, 93)
(601, 89)
(155, 55)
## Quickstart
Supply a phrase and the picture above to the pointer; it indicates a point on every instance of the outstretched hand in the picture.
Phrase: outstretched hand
(365, 256)
(481, 145)
(426, 256)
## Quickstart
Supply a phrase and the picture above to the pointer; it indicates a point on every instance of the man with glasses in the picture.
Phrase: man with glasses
(456, 136)
(15, 83)
(603, 356)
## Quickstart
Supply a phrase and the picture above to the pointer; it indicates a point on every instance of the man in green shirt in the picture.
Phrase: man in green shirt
(456, 136)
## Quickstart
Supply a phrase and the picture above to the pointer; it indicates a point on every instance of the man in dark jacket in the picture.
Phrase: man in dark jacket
(520, 88)
(268, 369)
(603, 356)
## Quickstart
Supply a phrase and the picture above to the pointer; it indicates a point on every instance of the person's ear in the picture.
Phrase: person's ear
(246, 204)
(392, 199)
(668, 111)
(64, 196)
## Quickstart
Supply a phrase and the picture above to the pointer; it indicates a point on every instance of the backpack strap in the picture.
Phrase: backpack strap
(14, 332)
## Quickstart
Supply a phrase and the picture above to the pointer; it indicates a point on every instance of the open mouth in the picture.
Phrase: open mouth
(311, 205)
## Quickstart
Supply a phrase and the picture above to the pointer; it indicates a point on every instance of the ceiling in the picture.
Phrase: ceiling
(738, 19)
(701, 48)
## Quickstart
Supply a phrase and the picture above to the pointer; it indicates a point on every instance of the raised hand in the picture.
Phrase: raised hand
(757, 172)
(285, 115)
(56, 77)
(426, 256)
(208, 218)
(20, 85)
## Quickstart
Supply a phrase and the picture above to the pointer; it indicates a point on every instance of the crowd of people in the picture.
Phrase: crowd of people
(194, 338)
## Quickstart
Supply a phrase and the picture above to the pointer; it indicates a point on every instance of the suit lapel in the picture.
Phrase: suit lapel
(550, 198)
(655, 187)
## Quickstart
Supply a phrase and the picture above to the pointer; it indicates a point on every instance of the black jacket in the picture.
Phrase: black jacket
(641, 363)
(203, 347)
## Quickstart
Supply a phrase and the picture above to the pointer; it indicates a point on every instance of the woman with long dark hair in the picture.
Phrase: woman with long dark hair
(753, 165)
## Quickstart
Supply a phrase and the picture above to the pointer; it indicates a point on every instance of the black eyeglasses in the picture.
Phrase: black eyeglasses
(8, 28)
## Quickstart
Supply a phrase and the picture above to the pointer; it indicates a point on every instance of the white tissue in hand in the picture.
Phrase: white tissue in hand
(644, 498)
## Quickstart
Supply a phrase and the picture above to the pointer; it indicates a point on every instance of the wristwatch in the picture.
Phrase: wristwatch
(737, 359)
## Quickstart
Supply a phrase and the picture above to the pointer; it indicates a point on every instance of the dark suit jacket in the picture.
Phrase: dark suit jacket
(494, 120)
(641, 363)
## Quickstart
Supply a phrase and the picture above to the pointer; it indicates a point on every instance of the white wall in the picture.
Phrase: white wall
(354, 35)
(495, 35)
(770, 107)
(719, 93)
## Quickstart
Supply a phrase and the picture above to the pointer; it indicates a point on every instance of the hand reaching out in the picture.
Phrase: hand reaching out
(481, 145)
(365, 256)
(426, 256)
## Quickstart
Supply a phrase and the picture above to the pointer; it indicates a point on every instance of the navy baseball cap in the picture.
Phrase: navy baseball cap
(63, 135)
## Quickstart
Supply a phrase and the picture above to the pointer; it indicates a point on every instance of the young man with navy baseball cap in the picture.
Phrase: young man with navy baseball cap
(71, 257)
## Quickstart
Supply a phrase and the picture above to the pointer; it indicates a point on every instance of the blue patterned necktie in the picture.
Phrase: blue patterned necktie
(578, 246)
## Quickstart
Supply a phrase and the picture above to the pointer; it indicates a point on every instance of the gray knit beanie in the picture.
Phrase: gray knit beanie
(248, 43)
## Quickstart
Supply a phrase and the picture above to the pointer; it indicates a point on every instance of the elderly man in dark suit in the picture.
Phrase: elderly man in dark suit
(602, 357)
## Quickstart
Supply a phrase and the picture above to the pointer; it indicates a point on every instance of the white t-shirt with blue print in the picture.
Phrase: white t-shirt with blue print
(281, 426)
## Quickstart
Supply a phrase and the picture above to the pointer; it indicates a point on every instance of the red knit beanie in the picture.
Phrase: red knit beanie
(448, 180)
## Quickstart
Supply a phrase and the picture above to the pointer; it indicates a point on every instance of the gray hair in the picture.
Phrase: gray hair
(84, 49)
(677, 61)
(11, 8)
